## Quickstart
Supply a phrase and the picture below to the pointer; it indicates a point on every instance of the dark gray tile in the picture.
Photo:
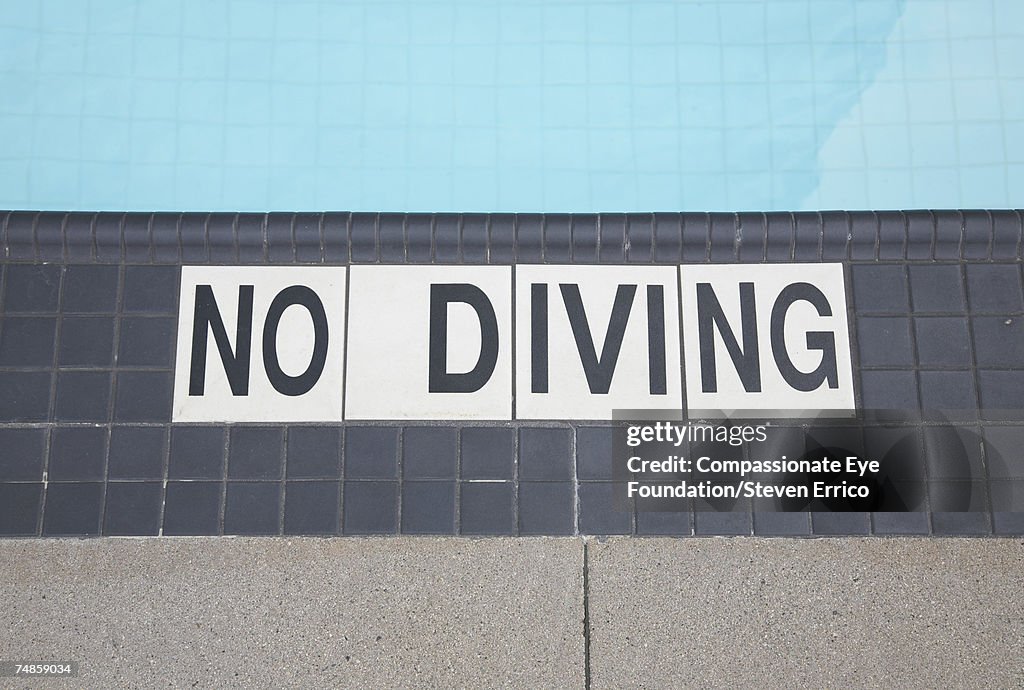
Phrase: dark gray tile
(594, 452)
(734, 523)
(446, 238)
(143, 396)
(994, 288)
(90, 289)
(951, 392)
(165, 238)
(32, 288)
(840, 524)
(961, 524)
(1007, 499)
(26, 396)
(529, 238)
(664, 524)
(557, 237)
(19, 509)
(943, 341)
(136, 452)
(280, 247)
(136, 236)
(77, 454)
(808, 237)
(999, 341)
(957, 497)
(1002, 394)
(151, 289)
(501, 239)
(391, 237)
(900, 523)
(948, 235)
(195, 245)
(937, 288)
(306, 230)
(1008, 524)
(429, 453)
(371, 453)
(835, 230)
(863, 235)
(363, 236)
(889, 390)
(953, 452)
(73, 510)
(697, 237)
(147, 342)
(21, 454)
(82, 396)
(27, 341)
(753, 233)
(486, 508)
(474, 238)
(255, 453)
(920, 235)
(1004, 452)
(723, 237)
(668, 238)
(428, 507)
(782, 524)
(192, 508)
(488, 453)
(1006, 234)
(597, 514)
(50, 236)
(252, 508)
(546, 508)
(196, 453)
(881, 288)
(640, 234)
(884, 341)
(335, 237)
(87, 341)
(19, 234)
(133, 508)
(107, 233)
(371, 507)
(78, 236)
(892, 235)
(312, 507)
(419, 238)
(612, 230)
(545, 454)
(314, 453)
(250, 231)
(220, 237)
(584, 238)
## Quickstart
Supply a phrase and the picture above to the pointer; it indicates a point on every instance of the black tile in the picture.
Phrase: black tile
(136, 236)
(835, 231)
(19, 234)
(151, 289)
(280, 247)
(73, 509)
(143, 396)
(808, 236)
(147, 342)
(312, 507)
(428, 507)
(249, 233)
(584, 239)
(371, 507)
(165, 238)
(889, 390)
(474, 238)
(594, 452)
(32, 287)
(557, 237)
(27, 341)
(1004, 452)
(668, 238)
(1002, 394)
(220, 236)
(597, 514)
(1008, 524)
(255, 453)
(107, 235)
(90, 289)
(87, 341)
(418, 238)
(546, 508)
(196, 453)
(709, 523)
(920, 235)
(77, 454)
(133, 508)
(779, 236)
(371, 453)
(840, 524)
(545, 454)
(314, 453)
(949, 391)
(529, 238)
(429, 453)
(937, 288)
(612, 230)
(943, 341)
(192, 508)
(961, 524)
(21, 454)
(82, 396)
(1007, 498)
(994, 288)
(501, 240)
(391, 237)
(335, 237)
(78, 235)
(486, 508)
(1006, 234)
(884, 341)
(880, 288)
(446, 238)
(26, 396)
(640, 238)
(136, 452)
(948, 231)
(664, 524)
(252, 508)
(782, 524)
(363, 237)
(306, 229)
(892, 235)
(487, 453)
(999, 341)
(19, 509)
(953, 452)
(900, 523)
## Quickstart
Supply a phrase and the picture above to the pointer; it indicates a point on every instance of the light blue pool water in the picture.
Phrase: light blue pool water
(458, 105)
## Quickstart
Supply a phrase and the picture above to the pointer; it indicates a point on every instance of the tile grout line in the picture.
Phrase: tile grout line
(586, 615)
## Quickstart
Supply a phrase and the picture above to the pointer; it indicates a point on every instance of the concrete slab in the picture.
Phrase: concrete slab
(201, 612)
(806, 613)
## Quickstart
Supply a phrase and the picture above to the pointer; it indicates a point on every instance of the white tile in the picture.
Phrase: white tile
(389, 346)
(619, 382)
(713, 379)
(291, 390)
